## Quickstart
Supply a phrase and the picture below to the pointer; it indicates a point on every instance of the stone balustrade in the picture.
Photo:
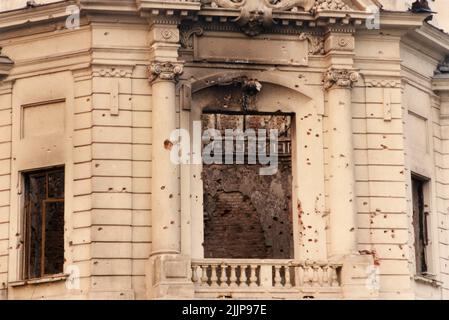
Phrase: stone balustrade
(215, 278)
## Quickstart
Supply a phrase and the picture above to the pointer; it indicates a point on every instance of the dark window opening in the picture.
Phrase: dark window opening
(248, 215)
(44, 222)
(420, 223)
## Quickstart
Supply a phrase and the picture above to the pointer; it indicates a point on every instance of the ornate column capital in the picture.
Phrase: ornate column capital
(342, 78)
(166, 71)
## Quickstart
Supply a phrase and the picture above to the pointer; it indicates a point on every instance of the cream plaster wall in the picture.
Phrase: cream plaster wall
(98, 75)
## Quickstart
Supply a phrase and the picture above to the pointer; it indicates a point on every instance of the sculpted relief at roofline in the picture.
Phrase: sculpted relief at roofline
(257, 15)
(281, 5)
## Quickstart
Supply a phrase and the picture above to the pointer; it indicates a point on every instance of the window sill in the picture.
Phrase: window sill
(47, 279)
(428, 279)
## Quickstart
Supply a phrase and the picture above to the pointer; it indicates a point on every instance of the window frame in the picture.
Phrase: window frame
(25, 260)
(425, 184)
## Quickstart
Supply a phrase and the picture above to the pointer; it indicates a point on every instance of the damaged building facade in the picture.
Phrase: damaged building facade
(93, 205)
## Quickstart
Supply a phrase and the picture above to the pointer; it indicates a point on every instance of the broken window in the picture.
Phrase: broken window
(420, 223)
(248, 214)
(44, 222)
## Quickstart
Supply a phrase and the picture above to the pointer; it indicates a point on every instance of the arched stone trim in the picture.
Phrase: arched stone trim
(279, 93)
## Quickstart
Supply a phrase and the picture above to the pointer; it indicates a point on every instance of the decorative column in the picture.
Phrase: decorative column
(165, 174)
(357, 271)
(342, 199)
(168, 274)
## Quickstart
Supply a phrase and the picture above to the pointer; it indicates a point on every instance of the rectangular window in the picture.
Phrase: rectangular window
(420, 223)
(44, 222)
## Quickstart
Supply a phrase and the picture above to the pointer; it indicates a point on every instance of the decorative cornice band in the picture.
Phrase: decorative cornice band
(166, 71)
(341, 78)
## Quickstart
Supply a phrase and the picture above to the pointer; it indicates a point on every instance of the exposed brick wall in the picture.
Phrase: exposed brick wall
(248, 215)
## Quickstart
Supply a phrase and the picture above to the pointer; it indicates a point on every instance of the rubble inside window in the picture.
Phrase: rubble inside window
(246, 214)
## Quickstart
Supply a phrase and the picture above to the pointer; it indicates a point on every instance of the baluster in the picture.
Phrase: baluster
(233, 276)
(204, 278)
(253, 277)
(195, 278)
(277, 277)
(309, 277)
(223, 277)
(334, 277)
(326, 276)
(315, 281)
(213, 277)
(288, 283)
(299, 276)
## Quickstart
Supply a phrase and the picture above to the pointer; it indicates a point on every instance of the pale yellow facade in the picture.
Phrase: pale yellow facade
(103, 97)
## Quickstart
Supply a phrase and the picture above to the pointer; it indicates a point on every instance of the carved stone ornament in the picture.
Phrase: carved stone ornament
(316, 44)
(339, 5)
(6, 65)
(168, 71)
(342, 78)
(187, 36)
(257, 15)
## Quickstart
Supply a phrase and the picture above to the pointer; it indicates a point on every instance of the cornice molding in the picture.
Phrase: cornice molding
(112, 71)
(266, 13)
(441, 83)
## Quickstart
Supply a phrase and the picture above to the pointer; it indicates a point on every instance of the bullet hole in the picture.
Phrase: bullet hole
(165, 227)
(170, 196)
(172, 222)
(163, 188)
(70, 243)
(97, 165)
(106, 33)
(168, 145)
(352, 229)
(317, 135)
(365, 203)
(110, 189)
(95, 262)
